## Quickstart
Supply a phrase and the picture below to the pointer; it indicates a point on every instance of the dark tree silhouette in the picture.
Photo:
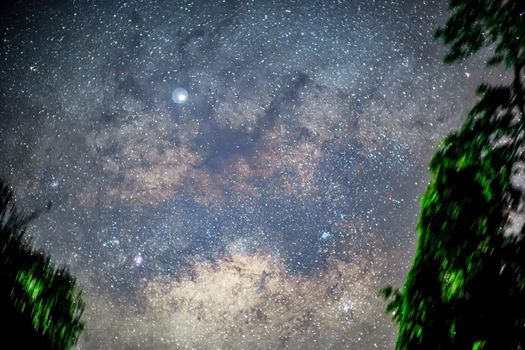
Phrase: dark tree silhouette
(40, 305)
(466, 286)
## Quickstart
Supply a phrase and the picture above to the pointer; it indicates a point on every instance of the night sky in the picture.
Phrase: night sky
(264, 203)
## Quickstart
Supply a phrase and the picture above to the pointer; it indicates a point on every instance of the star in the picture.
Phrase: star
(138, 260)
(179, 95)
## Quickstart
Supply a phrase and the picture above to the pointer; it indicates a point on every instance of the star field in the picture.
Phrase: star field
(228, 174)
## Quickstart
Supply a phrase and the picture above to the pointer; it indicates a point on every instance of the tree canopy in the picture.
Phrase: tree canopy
(466, 286)
(41, 306)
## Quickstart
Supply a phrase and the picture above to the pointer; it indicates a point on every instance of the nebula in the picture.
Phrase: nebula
(228, 175)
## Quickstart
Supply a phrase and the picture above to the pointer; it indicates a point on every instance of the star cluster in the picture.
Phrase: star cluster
(227, 174)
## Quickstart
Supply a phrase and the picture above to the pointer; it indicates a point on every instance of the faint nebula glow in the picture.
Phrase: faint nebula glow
(54, 184)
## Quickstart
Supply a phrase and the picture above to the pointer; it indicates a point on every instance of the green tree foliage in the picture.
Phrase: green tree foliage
(40, 305)
(466, 286)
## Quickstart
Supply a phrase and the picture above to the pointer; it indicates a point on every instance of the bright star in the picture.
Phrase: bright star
(138, 260)
(179, 95)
